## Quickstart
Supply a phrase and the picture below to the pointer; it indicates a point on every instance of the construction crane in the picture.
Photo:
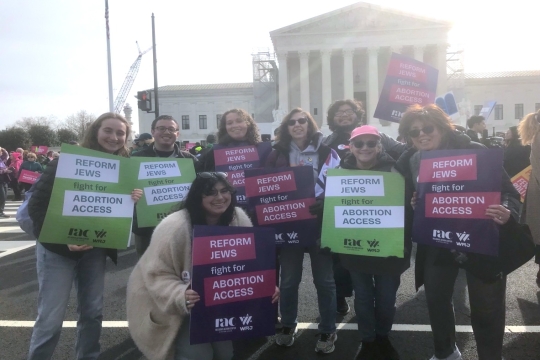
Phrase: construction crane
(128, 81)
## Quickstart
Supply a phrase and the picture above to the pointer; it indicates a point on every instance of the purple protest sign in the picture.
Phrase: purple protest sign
(455, 187)
(234, 272)
(407, 82)
(280, 199)
(234, 160)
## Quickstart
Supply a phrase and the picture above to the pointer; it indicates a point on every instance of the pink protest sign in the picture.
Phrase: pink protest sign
(39, 149)
(28, 177)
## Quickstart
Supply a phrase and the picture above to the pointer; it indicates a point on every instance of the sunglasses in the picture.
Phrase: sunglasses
(301, 121)
(359, 144)
(214, 192)
(215, 175)
(428, 129)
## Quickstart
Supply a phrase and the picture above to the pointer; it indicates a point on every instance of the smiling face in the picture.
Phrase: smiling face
(298, 132)
(425, 141)
(217, 201)
(165, 134)
(365, 156)
(236, 126)
(345, 116)
(112, 135)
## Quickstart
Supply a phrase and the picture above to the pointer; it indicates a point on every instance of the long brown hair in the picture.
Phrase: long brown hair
(284, 137)
(529, 127)
(90, 137)
(253, 136)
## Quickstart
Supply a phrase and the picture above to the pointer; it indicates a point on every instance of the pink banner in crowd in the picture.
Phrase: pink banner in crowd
(39, 149)
(28, 177)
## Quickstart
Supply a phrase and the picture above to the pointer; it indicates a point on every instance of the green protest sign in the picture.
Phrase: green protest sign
(91, 200)
(364, 213)
(165, 182)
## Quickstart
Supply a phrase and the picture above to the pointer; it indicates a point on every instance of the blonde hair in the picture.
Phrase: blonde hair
(529, 127)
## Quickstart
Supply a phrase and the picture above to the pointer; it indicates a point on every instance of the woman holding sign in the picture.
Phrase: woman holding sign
(58, 266)
(429, 128)
(299, 143)
(236, 128)
(159, 295)
(529, 131)
(31, 165)
(375, 279)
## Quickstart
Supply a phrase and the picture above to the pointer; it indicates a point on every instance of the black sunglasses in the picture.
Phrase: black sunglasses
(301, 121)
(215, 175)
(359, 144)
(428, 129)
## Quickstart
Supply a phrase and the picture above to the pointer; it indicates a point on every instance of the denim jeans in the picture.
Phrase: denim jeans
(56, 274)
(374, 303)
(291, 259)
(488, 309)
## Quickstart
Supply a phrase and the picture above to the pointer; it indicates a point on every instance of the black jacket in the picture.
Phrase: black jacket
(369, 264)
(482, 266)
(516, 158)
(37, 209)
(391, 146)
(150, 151)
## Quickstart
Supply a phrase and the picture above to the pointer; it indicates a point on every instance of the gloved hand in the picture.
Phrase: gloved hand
(317, 208)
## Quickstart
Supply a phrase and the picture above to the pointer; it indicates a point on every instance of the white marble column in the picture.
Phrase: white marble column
(304, 80)
(418, 53)
(373, 82)
(441, 65)
(348, 76)
(283, 82)
(326, 81)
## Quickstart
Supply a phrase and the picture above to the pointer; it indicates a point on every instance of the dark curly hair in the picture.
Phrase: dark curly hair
(202, 186)
(253, 136)
(429, 114)
(355, 105)
(284, 137)
(90, 137)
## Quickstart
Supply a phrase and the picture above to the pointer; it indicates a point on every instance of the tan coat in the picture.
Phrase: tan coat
(532, 201)
(156, 304)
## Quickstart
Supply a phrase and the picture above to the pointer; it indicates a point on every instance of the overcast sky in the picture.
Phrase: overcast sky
(53, 52)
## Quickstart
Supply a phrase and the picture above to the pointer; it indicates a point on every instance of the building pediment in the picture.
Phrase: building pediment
(360, 17)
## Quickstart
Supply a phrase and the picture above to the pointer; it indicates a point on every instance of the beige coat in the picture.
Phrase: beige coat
(532, 201)
(156, 304)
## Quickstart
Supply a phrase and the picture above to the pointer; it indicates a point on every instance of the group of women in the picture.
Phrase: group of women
(159, 296)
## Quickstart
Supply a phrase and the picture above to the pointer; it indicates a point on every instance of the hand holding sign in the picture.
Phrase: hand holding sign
(498, 213)
(136, 194)
(192, 297)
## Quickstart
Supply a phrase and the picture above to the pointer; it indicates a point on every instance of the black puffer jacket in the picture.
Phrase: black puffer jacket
(37, 209)
(369, 264)
(485, 267)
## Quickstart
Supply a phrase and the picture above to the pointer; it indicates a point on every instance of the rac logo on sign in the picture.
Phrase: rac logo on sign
(224, 322)
(352, 243)
(73, 232)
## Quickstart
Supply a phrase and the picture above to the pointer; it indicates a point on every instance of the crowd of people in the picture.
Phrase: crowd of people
(159, 295)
